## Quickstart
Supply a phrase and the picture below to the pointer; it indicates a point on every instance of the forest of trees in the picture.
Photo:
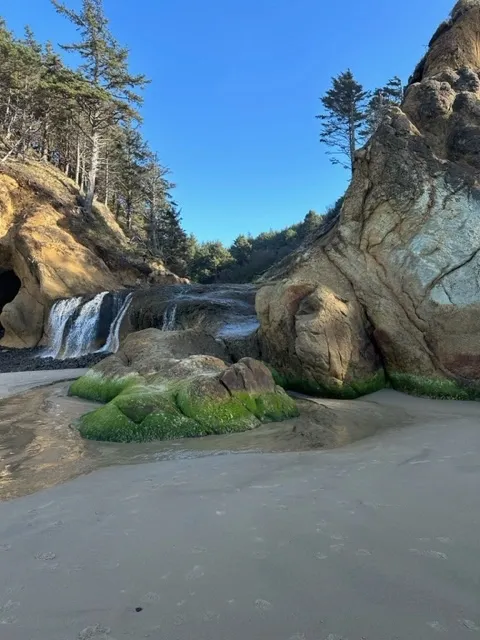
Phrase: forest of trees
(249, 257)
(86, 121)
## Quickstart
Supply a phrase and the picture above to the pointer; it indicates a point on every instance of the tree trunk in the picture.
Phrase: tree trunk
(77, 166)
(153, 222)
(92, 174)
(352, 141)
(107, 180)
(129, 211)
(45, 144)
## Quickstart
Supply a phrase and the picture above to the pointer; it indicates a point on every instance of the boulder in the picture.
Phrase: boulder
(395, 286)
(54, 251)
(158, 387)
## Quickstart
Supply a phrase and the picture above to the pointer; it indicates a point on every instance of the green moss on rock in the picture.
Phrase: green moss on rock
(137, 403)
(140, 409)
(98, 388)
(269, 407)
(109, 424)
(170, 426)
(440, 388)
(215, 416)
(346, 391)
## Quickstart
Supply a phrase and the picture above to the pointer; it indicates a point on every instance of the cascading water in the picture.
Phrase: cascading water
(77, 326)
(81, 335)
(60, 314)
(113, 341)
(81, 326)
(170, 318)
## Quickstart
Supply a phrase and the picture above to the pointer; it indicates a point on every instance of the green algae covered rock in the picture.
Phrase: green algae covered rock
(101, 388)
(192, 397)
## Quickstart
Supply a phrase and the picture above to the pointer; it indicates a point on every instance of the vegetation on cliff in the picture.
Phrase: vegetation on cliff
(85, 121)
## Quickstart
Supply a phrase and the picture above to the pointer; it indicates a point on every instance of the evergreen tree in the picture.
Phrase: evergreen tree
(381, 99)
(173, 240)
(342, 122)
(241, 249)
(112, 89)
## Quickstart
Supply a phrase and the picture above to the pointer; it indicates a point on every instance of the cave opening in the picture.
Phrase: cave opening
(9, 287)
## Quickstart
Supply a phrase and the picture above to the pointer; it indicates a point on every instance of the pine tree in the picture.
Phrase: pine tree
(173, 240)
(111, 95)
(241, 249)
(344, 105)
(381, 99)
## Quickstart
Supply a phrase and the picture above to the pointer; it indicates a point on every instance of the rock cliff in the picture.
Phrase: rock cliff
(50, 250)
(395, 287)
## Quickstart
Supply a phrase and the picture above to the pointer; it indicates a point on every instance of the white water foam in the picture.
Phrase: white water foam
(81, 336)
(60, 314)
(170, 318)
(113, 341)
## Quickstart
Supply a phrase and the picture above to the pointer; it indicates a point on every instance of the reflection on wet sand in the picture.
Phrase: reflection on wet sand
(39, 448)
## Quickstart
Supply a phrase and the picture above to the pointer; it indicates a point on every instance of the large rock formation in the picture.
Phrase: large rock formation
(49, 249)
(159, 386)
(396, 285)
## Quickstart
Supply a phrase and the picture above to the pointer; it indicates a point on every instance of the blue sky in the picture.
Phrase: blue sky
(235, 90)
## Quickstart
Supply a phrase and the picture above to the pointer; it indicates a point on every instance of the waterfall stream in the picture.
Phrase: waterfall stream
(81, 335)
(113, 341)
(60, 314)
(93, 324)
(74, 325)
(170, 318)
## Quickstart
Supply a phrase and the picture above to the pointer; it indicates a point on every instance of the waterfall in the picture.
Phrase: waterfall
(60, 314)
(81, 335)
(170, 318)
(77, 326)
(113, 341)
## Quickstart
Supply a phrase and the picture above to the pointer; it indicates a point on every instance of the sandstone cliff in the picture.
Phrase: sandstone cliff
(50, 250)
(395, 287)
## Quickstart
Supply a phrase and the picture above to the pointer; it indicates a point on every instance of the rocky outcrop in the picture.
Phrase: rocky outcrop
(395, 286)
(49, 249)
(159, 387)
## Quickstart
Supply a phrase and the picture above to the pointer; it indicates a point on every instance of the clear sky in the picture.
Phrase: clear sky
(235, 90)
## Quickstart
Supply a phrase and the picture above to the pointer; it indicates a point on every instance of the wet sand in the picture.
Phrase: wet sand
(14, 383)
(376, 541)
(39, 448)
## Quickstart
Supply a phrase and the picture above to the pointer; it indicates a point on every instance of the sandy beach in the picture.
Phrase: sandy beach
(377, 540)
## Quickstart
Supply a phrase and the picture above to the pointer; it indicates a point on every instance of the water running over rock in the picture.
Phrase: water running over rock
(80, 326)
(87, 325)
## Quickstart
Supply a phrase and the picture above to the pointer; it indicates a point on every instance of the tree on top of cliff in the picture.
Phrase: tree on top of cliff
(111, 93)
(343, 120)
(382, 98)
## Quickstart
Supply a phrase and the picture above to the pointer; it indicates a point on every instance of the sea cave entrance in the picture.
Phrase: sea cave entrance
(9, 287)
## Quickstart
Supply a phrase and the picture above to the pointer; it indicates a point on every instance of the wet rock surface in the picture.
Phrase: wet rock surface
(30, 360)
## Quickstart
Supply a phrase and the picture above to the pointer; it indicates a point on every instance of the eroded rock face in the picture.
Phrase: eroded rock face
(172, 391)
(56, 252)
(397, 283)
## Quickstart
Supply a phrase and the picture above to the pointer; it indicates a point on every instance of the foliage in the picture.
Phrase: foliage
(351, 115)
(344, 113)
(380, 100)
(248, 257)
(85, 122)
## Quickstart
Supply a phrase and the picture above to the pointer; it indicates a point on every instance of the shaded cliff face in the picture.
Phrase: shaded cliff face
(396, 285)
(50, 250)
